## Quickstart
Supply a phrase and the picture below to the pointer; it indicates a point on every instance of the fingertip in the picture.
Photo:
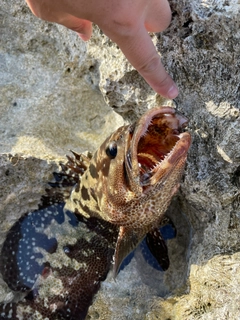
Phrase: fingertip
(173, 91)
(82, 27)
(167, 88)
(85, 30)
(160, 81)
(84, 37)
(86, 33)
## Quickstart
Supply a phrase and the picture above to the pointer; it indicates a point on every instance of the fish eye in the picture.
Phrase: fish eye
(111, 150)
(66, 249)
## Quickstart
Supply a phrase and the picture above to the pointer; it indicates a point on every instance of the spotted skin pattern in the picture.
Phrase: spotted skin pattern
(98, 209)
(133, 177)
(54, 261)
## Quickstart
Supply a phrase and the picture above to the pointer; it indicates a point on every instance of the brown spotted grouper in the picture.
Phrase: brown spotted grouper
(133, 176)
(97, 211)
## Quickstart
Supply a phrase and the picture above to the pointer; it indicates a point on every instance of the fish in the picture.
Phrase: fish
(96, 211)
(132, 178)
(52, 260)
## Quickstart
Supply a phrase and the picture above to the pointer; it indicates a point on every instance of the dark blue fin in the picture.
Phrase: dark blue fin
(158, 248)
(154, 247)
(167, 228)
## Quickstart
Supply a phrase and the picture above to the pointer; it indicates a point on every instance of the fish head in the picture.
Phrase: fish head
(158, 147)
(139, 162)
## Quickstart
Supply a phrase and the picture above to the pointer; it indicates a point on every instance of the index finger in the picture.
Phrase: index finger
(142, 54)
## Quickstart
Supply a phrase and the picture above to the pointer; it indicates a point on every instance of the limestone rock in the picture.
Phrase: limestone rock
(50, 102)
(201, 51)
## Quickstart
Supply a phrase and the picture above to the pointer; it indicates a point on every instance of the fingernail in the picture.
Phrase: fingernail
(173, 92)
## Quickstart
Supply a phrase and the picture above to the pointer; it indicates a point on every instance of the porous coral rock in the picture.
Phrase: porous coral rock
(49, 80)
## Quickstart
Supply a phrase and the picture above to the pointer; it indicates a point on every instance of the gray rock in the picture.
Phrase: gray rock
(50, 102)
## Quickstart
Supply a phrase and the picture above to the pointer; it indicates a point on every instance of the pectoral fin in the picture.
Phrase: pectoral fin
(127, 241)
(158, 248)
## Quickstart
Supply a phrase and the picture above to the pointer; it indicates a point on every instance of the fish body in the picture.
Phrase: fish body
(53, 260)
(133, 176)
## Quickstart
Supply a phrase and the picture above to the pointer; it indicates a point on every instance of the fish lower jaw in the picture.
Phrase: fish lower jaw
(165, 165)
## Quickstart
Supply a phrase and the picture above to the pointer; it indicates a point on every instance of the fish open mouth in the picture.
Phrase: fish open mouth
(158, 141)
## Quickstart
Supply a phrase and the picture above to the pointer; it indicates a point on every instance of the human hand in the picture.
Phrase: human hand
(126, 22)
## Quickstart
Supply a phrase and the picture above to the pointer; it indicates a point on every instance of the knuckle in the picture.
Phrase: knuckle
(123, 25)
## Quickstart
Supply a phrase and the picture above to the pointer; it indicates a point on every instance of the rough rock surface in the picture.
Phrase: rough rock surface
(50, 102)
